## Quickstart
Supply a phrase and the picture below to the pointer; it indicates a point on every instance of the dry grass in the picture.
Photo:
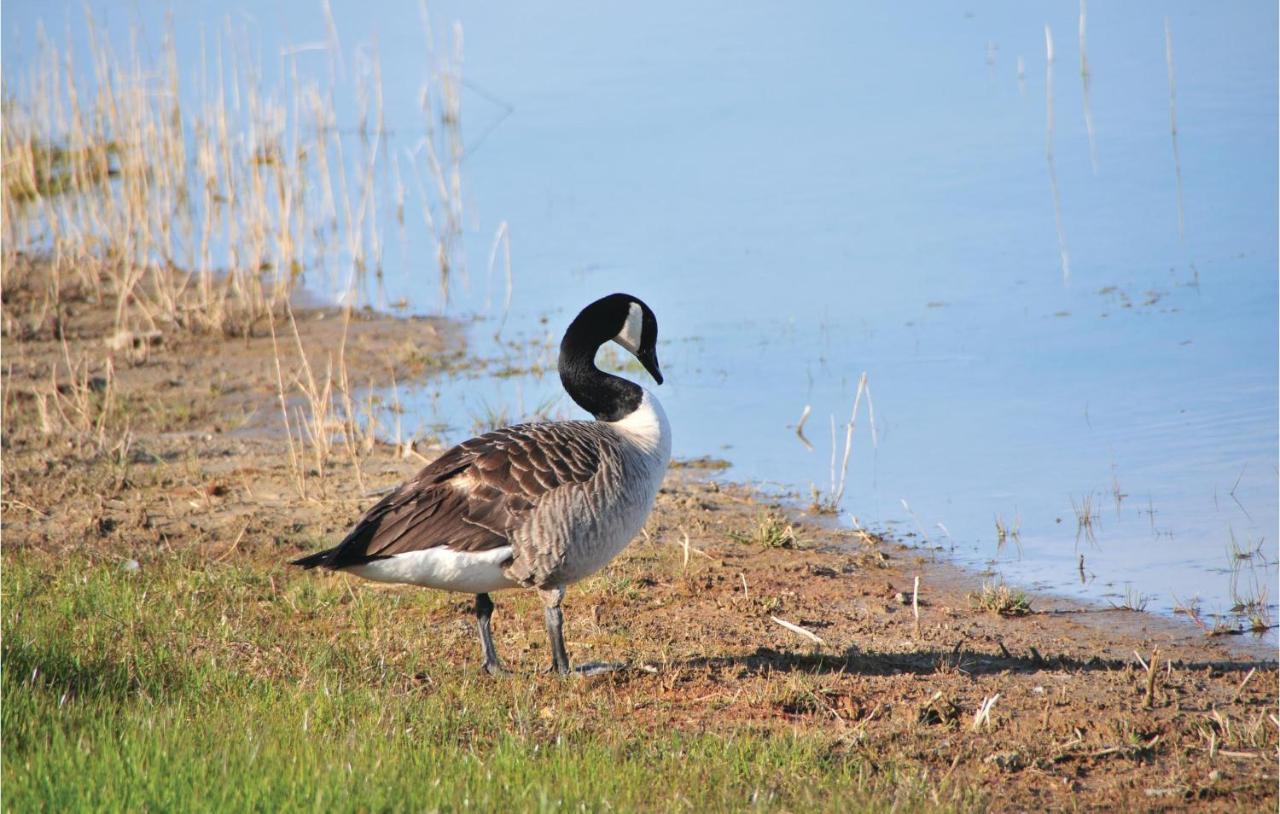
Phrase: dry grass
(77, 405)
(1008, 531)
(199, 206)
(1132, 601)
(196, 207)
(322, 414)
(829, 502)
(1086, 512)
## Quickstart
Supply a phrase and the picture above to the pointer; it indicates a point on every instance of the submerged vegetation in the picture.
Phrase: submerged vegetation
(1008, 531)
(1086, 512)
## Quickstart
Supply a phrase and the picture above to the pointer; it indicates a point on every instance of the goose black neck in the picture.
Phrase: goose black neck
(605, 396)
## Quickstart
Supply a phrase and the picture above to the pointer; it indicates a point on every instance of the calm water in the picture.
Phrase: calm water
(805, 197)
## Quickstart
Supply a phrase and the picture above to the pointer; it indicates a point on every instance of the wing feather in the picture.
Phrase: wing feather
(477, 494)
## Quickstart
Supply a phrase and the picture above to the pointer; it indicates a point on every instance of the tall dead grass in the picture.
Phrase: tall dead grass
(199, 203)
(829, 502)
(321, 411)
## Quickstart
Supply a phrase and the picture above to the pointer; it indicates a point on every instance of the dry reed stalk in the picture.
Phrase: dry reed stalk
(924, 535)
(1048, 149)
(326, 410)
(794, 628)
(831, 502)
(82, 404)
(1173, 123)
(444, 217)
(297, 470)
(354, 440)
(915, 605)
(983, 716)
(501, 240)
(804, 416)
(1086, 80)
(315, 415)
(402, 448)
(1148, 699)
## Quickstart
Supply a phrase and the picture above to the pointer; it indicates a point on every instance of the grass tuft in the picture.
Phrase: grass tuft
(1001, 599)
(1086, 512)
(1133, 601)
(771, 531)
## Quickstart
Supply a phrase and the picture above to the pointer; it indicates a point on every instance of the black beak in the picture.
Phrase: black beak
(649, 359)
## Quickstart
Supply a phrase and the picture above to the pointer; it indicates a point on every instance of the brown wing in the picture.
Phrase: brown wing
(473, 497)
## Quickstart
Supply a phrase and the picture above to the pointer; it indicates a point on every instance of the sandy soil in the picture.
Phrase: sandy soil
(192, 457)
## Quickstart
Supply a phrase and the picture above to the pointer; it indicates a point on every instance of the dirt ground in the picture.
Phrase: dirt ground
(1092, 708)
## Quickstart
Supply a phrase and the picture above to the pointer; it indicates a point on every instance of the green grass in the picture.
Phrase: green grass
(771, 531)
(192, 685)
(1001, 599)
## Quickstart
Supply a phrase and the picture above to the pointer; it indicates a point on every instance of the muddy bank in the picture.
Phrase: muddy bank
(735, 615)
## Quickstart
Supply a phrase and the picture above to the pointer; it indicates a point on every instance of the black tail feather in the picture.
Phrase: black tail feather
(315, 560)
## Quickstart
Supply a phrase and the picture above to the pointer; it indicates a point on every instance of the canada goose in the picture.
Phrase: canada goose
(534, 505)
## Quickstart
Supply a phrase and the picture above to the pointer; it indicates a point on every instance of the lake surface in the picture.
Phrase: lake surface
(1071, 332)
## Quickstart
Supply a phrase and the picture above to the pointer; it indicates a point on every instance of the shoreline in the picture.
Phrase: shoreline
(959, 578)
(739, 615)
(1172, 627)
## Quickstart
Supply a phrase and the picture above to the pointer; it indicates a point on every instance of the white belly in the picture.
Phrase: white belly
(474, 572)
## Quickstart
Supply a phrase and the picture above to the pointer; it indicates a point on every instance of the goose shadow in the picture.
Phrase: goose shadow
(33, 666)
(854, 661)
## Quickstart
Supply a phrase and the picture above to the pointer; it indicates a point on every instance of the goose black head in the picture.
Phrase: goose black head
(619, 318)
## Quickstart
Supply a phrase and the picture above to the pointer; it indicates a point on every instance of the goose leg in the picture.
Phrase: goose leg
(554, 619)
(555, 632)
(484, 611)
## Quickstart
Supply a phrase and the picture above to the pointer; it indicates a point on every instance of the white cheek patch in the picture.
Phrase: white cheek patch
(629, 336)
